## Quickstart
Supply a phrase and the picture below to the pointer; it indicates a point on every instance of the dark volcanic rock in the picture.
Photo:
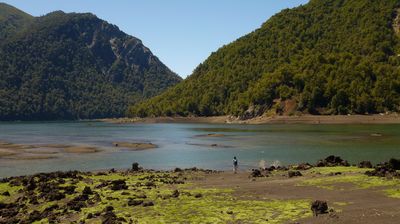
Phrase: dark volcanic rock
(335, 173)
(177, 170)
(271, 168)
(143, 196)
(35, 216)
(69, 189)
(175, 194)
(109, 208)
(87, 191)
(76, 205)
(148, 203)
(3, 205)
(387, 169)
(4, 180)
(102, 185)
(296, 173)
(136, 167)
(90, 216)
(198, 195)
(332, 161)
(150, 184)
(319, 207)
(110, 218)
(30, 185)
(117, 185)
(134, 202)
(33, 200)
(8, 210)
(394, 164)
(304, 166)
(78, 202)
(96, 198)
(365, 164)
(51, 208)
(256, 173)
(55, 196)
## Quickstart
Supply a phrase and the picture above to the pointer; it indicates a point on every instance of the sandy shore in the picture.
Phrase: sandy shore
(304, 119)
(12, 151)
(134, 146)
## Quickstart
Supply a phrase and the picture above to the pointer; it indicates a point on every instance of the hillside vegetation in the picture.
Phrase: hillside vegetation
(326, 57)
(12, 20)
(72, 66)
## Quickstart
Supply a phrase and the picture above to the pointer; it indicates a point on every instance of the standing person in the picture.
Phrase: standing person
(235, 164)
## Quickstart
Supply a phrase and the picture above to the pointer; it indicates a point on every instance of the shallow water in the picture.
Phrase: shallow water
(184, 145)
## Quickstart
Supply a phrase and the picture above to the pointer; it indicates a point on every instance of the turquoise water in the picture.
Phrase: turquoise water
(181, 145)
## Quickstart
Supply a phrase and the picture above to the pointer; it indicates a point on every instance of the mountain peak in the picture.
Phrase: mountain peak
(12, 20)
(7, 11)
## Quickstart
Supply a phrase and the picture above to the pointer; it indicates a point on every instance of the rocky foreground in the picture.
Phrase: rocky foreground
(330, 191)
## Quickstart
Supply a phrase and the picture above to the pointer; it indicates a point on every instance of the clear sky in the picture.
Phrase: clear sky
(182, 33)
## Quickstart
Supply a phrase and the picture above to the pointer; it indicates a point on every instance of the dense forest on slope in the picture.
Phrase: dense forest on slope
(12, 20)
(325, 57)
(72, 66)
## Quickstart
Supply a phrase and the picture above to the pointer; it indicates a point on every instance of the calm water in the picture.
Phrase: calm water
(181, 145)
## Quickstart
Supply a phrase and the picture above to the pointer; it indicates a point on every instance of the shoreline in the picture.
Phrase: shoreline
(303, 119)
(261, 195)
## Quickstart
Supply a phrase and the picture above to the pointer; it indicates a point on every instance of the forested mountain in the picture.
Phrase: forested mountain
(72, 66)
(12, 20)
(325, 57)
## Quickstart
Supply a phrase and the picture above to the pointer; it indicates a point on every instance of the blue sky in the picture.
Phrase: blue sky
(182, 33)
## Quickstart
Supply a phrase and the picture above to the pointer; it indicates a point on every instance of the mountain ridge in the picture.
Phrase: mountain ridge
(329, 57)
(12, 19)
(76, 66)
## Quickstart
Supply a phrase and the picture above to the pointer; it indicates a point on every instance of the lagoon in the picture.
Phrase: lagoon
(191, 145)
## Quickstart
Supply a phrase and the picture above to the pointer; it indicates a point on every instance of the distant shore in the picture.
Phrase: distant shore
(303, 119)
